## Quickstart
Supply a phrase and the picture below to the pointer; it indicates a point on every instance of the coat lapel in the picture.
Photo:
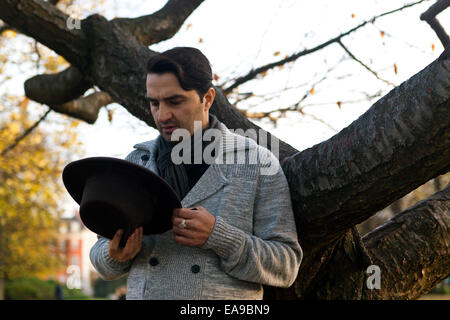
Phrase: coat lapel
(208, 184)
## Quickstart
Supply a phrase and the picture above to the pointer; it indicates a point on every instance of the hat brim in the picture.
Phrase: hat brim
(76, 173)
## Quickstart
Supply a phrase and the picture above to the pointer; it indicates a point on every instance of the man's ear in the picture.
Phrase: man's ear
(209, 98)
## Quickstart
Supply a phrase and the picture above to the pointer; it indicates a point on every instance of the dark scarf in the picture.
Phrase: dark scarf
(181, 177)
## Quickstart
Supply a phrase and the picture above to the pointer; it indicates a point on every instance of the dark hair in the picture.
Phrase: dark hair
(189, 65)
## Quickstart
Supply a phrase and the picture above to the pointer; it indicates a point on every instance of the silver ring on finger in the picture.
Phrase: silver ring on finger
(182, 224)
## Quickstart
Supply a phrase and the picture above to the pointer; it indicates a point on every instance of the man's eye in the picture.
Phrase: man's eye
(174, 102)
(154, 103)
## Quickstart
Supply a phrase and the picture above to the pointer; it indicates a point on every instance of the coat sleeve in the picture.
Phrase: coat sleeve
(272, 254)
(107, 267)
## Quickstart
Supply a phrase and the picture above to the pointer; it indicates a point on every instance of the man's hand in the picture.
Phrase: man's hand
(198, 225)
(131, 249)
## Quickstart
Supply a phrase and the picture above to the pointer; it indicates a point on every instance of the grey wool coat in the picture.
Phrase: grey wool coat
(253, 242)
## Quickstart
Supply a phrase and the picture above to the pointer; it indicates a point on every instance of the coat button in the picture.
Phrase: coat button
(145, 157)
(153, 261)
(195, 268)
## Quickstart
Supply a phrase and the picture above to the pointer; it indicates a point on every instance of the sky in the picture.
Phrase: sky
(239, 35)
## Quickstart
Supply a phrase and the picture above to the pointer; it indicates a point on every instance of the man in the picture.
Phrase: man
(236, 229)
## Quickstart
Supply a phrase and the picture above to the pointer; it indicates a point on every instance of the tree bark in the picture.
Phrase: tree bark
(413, 246)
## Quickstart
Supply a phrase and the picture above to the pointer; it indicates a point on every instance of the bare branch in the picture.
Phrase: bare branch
(24, 134)
(253, 73)
(363, 64)
(430, 17)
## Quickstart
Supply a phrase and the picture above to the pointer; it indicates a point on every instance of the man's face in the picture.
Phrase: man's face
(173, 107)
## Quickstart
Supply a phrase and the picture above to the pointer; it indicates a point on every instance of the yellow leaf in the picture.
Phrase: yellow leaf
(14, 127)
(432, 47)
(110, 115)
(276, 53)
(74, 124)
(10, 34)
(395, 68)
(382, 33)
(312, 91)
(188, 26)
(51, 64)
(353, 15)
(24, 103)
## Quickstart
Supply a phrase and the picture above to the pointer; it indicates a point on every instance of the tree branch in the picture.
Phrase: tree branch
(44, 22)
(346, 179)
(253, 73)
(84, 108)
(414, 246)
(57, 88)
(162, 24)
(430, 17)
(24, 134)
(363, 64)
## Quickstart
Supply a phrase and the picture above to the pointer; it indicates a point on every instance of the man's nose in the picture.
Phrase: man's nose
(164, 114)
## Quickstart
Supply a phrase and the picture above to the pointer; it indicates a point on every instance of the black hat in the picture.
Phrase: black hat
(117, 194)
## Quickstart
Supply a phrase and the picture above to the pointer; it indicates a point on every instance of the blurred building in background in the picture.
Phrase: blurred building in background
(74, 244)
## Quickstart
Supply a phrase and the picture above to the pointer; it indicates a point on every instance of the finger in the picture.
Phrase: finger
(141, 234)
(177, 221)
(114, 243)
(185, 232)
(137, 241)
(185, 241)
(185, 213)
(129, 246)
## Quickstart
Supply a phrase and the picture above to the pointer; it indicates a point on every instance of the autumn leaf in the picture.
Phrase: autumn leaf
(353, 15)
(110, 115)
(432, 47)
(312, 91)
(24, 103)
(10, 34)
(188, 26)
(276, 53)
(339, 103)
(200, 40)
(382, 33)
(51, 64)
(216, 77)
(395, 68)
